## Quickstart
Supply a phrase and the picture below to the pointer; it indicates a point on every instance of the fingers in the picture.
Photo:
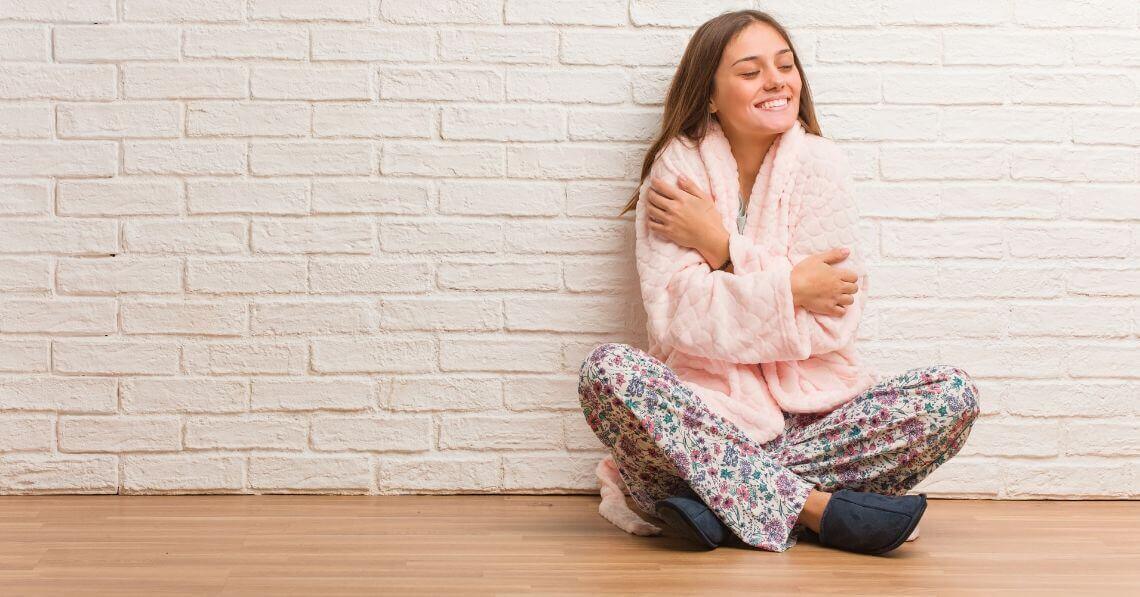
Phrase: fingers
(677, 190)
(832, 310)
(653, 210)
(690, 187)
(663, 187)
(847, 275)
(656, 199)
(842, 301)
(835, 255)
(656, 208)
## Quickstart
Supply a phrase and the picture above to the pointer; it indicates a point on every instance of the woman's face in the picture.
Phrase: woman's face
(756, 66)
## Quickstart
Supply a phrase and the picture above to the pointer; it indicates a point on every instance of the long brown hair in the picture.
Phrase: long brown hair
(686, 103)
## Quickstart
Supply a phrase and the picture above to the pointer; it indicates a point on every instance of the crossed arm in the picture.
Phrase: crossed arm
(748, 314)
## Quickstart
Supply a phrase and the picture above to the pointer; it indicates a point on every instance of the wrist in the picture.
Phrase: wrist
(796, 291)
(715, 249)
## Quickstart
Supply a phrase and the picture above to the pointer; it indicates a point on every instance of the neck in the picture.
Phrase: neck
(748, 150)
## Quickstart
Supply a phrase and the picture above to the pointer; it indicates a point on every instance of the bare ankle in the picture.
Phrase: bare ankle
(813, 509)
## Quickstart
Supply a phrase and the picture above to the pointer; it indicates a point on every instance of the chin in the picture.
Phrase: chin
(781, 126)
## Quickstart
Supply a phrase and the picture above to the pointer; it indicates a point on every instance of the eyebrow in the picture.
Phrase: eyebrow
(785, 50)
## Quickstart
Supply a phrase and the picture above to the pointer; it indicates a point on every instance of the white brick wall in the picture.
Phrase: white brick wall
(363, 245)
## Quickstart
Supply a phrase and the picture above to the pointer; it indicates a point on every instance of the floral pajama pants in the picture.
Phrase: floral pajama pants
(665, 441)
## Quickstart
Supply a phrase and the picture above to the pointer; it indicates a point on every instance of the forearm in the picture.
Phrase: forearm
(715, 249)
(715, 252)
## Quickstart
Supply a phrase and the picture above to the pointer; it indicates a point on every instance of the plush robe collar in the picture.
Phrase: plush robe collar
(724, 176)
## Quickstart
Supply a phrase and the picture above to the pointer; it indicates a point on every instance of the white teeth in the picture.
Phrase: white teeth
(778, 103)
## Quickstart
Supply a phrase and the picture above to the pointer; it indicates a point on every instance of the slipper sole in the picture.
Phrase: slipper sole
(671, 515)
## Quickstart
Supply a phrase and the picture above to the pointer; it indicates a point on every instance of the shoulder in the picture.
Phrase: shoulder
(824, 158)
(818, 143)
(680, 154)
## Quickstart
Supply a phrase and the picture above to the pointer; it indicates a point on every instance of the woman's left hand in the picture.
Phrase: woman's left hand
(682, 213)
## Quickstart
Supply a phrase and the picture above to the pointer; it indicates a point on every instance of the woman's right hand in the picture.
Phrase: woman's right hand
(821, 288)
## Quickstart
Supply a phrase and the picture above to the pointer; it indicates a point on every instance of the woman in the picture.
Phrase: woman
(752, 413)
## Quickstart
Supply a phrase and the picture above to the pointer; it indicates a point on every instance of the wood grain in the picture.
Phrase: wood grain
(530, 544)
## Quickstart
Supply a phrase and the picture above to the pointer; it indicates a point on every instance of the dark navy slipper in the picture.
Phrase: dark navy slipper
(867, 522)
(693, 520)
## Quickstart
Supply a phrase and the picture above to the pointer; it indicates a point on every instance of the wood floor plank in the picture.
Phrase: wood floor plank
(530, 544)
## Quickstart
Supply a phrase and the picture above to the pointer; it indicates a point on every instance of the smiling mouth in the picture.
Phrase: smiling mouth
(773, 105)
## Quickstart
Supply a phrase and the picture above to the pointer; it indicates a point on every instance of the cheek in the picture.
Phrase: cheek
(743, 94)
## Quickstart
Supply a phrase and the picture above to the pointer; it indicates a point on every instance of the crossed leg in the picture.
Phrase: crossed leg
(665, 441)
(886, 439)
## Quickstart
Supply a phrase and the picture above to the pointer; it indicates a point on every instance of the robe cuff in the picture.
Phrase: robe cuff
(792, 324)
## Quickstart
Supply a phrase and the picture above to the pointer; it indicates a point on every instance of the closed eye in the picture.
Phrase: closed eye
(751, 74)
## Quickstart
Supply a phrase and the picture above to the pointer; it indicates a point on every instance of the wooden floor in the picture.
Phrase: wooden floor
(504, 545)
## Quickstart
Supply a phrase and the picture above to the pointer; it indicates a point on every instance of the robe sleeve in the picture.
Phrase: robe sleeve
(741, 317)
(828, 218)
